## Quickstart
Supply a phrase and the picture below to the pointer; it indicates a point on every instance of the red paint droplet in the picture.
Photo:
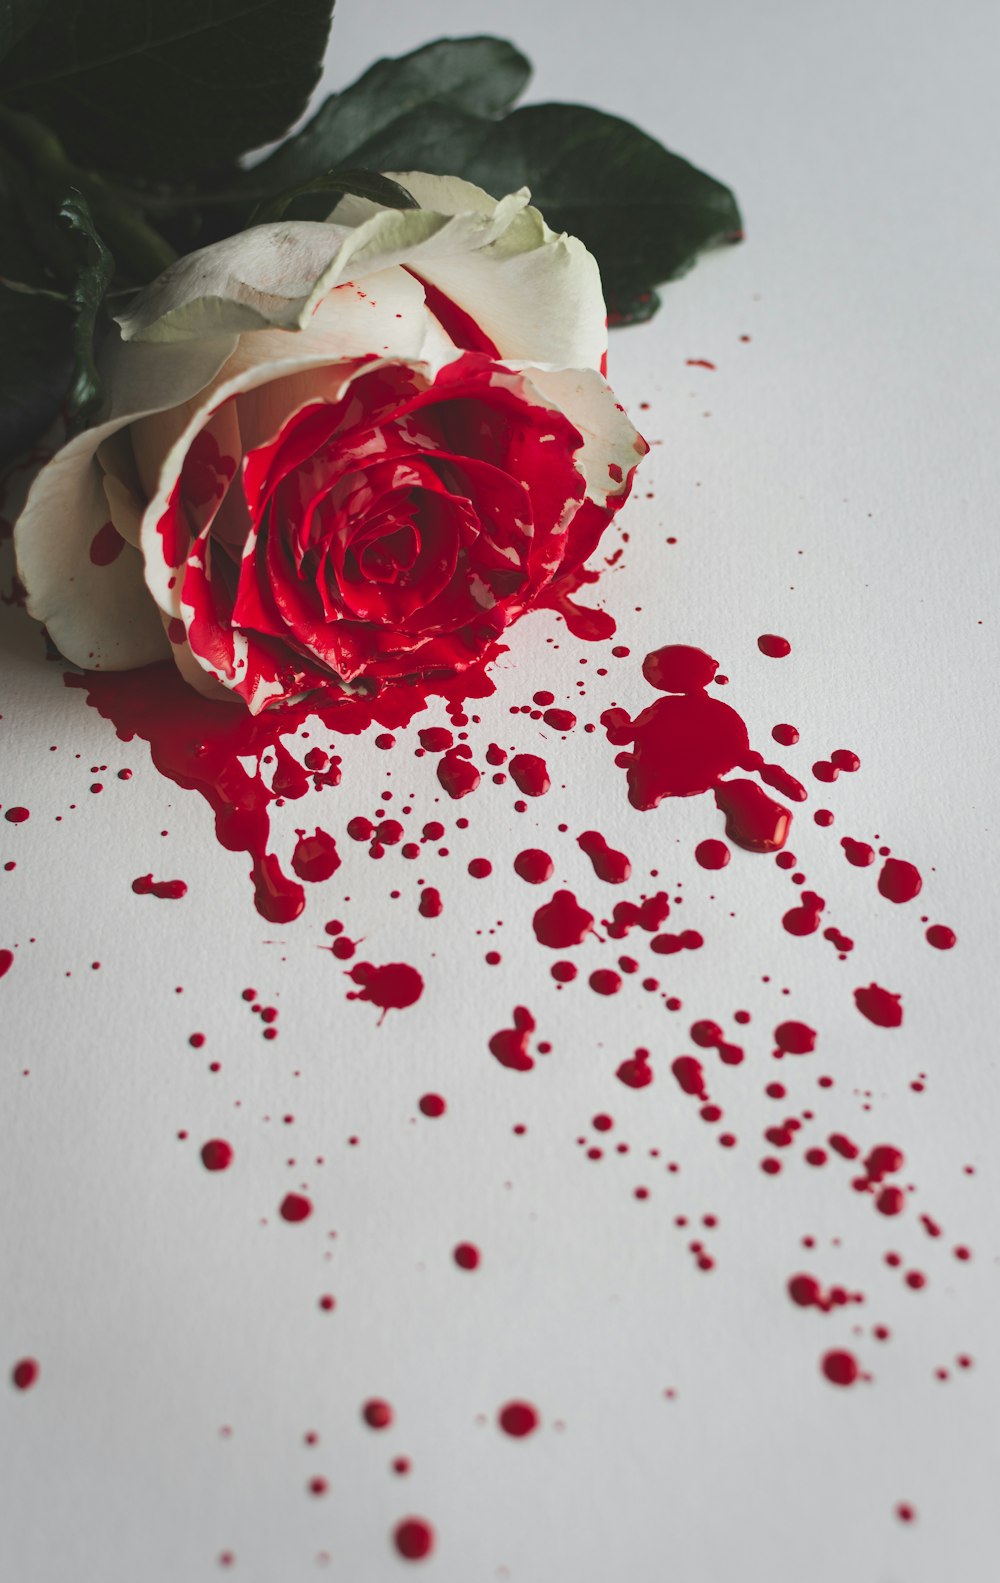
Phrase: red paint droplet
(377, 1414)
(534, 866)
(106, 545)
(317, 1485)
(905, 1512)
(466, 1256)
(786, 735)
(392, 987)
(217, 1155)
(754, 820)
(294, 1207)
(432, 1105)
(530, 774)
(6, 962)
(560, 719)
(25, 1373)
(605, 981)
(165, 889)
(858, 853)
(880, 1006)
(712, 854)
(844, 759)
(480, 868)
(562, 922)
(636, 1072)
(413, 1538)
(899, 881)
(17, 815)
(436, 739)
(430, 904)
(315, 857)
(457, 774)
(518, 1419)
(774, 647)
(938, 935)
(840, 1368)
(610, 866)
(510, 1045)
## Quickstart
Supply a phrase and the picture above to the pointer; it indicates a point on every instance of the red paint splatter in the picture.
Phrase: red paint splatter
(376, 1413)
(879, 1005)
(712, 854)
(165, 889)
(562, 922)
(610, 866)
(533, 866)
(25, 1373)
(510, 1045)
(466, 1255)
(774, 647)
(413, 1538)
(518, 1419)
(840, 1368)
(899, 881)
(530, 774)
(217, 1154)
(315, 857)
(392, 987)
(294, 1208)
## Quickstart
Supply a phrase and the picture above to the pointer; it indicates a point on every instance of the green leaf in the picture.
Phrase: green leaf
(16, 17)
(168, 87)
(644, 213)
(35, 334)
(86, 299)
(480, 75)
(360, 183)
(637, 308)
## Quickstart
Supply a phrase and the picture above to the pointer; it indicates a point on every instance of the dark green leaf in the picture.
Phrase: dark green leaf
(16, 17)
(87, 297)
(645, 213)
(481, 76)
(360, 183)
(168, 87)
(638, 308)
(35, 333)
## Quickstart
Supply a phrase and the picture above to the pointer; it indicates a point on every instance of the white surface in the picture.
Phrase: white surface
(858, 427)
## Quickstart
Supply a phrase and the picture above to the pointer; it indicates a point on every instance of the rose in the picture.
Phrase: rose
(337, 452)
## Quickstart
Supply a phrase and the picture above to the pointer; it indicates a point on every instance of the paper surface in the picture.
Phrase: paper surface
(833, 479)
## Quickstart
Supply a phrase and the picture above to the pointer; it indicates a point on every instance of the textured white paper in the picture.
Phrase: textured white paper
(834, 479)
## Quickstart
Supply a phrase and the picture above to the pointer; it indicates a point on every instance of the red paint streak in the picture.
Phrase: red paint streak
(879, 1005)
(315, 857)
(534, 866)
(294, 1208)
(391, 987)
(430, 904)
(614, 868)
(25, 1373)
(712, 854)
(774, 647)
(840, 1368)
(518, 1419)
(562, 922)
(165, 889)
(899, 881)
(699, 362)
(938, 935)
(510, 1045)
(217, 1154)
(413, 1538)
(529, 774)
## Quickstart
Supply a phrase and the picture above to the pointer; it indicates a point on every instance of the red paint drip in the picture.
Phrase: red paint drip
(636, 1072)
(165, 889)
(805, 918)
(6, 962)
(457, 774)
(786, 735)
(432, 1105)
(466, 1255)
(690, 1074)
(106, 545)
(611, 866)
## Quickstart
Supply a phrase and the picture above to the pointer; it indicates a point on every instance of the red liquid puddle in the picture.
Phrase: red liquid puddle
(518, 1419)
(529, 774)
(392, 987)
(165, 889)
(879, 1005)
(217, 1155)
(562, 922)
(899, 881)
(611, 866)
(197, 743)
(534, 866)
(510, 1045)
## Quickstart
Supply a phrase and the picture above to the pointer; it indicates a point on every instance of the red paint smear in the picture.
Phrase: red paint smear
(899, 881)
(562, 922)
(610, 866)
(197, 743)
(392, 987)
(217, 1154)
(518, 1419)
(879, 1005)
(510, 1045)
(165, 889)
(774, 647)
